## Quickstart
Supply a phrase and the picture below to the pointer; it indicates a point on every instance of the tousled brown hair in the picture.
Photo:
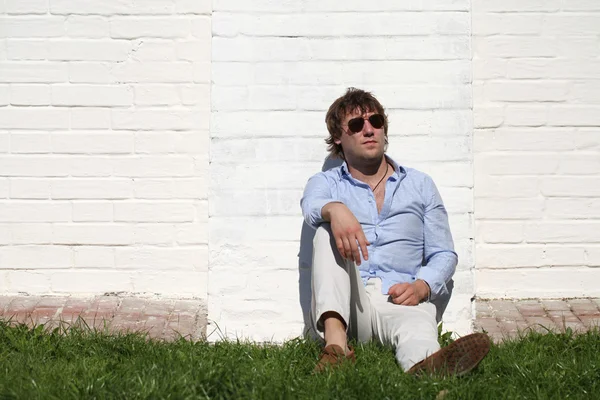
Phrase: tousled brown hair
(353, 99)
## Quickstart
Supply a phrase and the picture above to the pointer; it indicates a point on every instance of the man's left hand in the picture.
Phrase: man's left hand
(409, 294)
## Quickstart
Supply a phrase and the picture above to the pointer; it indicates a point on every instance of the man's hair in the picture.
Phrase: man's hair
(354, 99)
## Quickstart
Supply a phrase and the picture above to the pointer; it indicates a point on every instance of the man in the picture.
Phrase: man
(383, 252)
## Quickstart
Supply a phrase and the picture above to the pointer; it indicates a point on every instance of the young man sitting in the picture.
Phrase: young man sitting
(383, 251)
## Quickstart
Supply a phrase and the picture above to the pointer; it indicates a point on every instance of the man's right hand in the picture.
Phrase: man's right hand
(347, 232)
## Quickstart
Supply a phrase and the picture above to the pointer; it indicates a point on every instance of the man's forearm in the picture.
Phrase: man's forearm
(438, 272)
(328, 208)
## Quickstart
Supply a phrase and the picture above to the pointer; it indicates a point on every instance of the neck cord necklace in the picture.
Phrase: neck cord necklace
(387, 166)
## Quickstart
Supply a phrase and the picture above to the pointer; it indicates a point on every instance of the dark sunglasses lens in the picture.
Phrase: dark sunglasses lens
(356, 124)
(376, 120)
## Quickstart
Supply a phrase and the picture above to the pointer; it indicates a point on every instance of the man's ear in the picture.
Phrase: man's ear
(338, 140)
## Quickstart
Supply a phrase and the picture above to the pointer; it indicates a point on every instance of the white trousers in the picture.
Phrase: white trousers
(368, 314)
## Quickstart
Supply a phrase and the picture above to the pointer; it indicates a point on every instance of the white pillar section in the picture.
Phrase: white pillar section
(276, 67)
(537, 147)
(104, 118)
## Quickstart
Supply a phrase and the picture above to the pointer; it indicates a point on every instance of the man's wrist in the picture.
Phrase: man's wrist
(424, 290)
(328, 208)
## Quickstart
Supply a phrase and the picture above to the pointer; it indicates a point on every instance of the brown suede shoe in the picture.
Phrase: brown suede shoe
(332, 356)
(458, 358)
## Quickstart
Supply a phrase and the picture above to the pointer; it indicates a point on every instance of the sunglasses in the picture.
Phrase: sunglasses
(356, 124)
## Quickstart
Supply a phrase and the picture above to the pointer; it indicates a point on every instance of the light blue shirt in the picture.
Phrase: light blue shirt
(410, 239)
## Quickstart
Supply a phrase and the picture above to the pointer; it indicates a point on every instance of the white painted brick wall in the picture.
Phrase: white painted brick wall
(104, 116)
(276, 68)
(106, 107)
(536, 69)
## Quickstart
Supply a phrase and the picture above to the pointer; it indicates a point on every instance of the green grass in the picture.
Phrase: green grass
(92, 365)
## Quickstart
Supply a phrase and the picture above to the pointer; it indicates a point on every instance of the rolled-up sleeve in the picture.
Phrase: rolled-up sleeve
(439, 255)
(317, 194)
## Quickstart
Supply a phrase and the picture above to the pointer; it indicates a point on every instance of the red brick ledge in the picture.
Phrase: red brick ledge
(505, 318)
(166, 319)
(170, 319)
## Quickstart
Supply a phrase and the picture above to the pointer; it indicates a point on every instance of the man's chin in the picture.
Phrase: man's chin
(369, 158)
(374, 155)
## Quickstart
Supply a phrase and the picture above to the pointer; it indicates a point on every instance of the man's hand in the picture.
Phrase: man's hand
(347, 232)
(409, 294)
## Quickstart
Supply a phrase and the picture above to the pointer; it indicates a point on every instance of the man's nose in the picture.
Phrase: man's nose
(368, 128)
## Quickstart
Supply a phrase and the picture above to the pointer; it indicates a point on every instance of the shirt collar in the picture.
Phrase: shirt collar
(399, 171)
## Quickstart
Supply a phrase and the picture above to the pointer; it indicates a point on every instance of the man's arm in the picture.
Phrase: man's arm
(440, 257)
(318, 206)
(317, 194)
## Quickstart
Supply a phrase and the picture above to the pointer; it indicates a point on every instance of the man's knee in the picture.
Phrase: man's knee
(323, 234)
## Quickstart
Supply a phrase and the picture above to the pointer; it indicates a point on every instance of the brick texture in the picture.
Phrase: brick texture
(166, 319)
(536, 148)
(273, 79)
(104, 116)
(108, 110)
(509, 319)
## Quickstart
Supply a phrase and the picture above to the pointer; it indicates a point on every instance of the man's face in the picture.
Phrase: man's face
(366, 145)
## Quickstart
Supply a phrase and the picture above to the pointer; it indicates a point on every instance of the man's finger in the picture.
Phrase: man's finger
(340, 246)
(409, 302)
(347, 248)
(403, 297)
(398, 289)
(355, 253)
(362, 241)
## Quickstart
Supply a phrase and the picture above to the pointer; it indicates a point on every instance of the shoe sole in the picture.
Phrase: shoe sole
(458, 358)
(467, 353)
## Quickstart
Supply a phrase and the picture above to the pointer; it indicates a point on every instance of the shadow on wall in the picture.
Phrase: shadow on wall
(305, 265)
(305, 259)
